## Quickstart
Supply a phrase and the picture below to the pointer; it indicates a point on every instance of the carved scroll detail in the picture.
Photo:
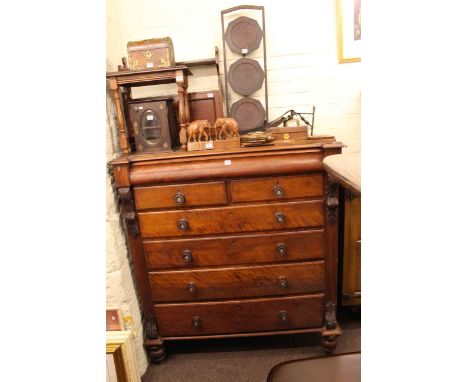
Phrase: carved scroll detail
(330, 315)
(151, 329)
(153, 344)
(128, 212)
(331, 201)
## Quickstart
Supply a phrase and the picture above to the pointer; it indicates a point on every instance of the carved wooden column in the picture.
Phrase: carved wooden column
(331, 330)
(123, 140)
(153, 343)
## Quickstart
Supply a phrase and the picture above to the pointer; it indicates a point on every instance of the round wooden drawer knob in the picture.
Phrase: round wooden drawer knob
(179, 198)
(192, 288)
(182, 225)
(278, 191)
(280, 218)
(281, 249)
(283, 282)
(196, 322)
(283, 316)
(187, 256)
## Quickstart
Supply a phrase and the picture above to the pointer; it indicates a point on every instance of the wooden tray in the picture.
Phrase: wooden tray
(246, 76)
(249, 113)
(243, 35)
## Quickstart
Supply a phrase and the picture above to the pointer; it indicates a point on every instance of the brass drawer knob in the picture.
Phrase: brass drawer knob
(281, 249)
(182, 224)
(280, 218)
(179, 198)
(278, 191)
(192, 288)
(196, 322)
(187, 256)
(283, 316)
(283, 282)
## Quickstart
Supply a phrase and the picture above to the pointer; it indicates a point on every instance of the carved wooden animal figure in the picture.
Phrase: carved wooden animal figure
(228, 126)
(196, 130)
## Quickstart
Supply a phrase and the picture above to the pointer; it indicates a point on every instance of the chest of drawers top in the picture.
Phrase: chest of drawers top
(183, 166)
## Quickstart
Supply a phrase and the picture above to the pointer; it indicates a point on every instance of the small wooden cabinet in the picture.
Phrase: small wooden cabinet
(346, 169)
(232, 243)
(351, 288)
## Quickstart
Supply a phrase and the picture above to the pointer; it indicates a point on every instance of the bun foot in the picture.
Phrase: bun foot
(328, 343)
(156, 354)
(155, 351)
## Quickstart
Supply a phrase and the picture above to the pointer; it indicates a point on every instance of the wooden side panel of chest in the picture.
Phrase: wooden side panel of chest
(232, 244)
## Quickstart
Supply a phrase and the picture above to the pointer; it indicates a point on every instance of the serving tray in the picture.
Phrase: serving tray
(243, 35)
(246, 76)
(249, 113)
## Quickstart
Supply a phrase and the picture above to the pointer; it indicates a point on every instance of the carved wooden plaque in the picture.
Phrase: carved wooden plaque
(246, 76)
(243, 35)
(249, 113)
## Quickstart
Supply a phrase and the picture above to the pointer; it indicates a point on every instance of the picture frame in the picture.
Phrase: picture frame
(348, 25)
(120, 357)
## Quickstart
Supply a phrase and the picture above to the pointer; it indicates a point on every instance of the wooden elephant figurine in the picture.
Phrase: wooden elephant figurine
(196, 130)
(228, 126)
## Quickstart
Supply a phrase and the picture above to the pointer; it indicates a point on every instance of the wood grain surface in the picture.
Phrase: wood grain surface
(195, 194)
(251, 218)
(232, 250)
(256, 315)
(256, 190)
(237, 282)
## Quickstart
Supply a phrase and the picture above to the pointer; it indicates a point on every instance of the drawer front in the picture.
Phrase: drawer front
(261, 217)
(181, 195)
(286, 187)
(225, 317)
(237, 282)
(232, 250)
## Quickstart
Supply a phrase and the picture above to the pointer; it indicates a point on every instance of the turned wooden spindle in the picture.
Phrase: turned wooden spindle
(123, 141)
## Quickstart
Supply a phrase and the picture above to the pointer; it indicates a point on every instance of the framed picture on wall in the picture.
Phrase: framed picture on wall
(348, 22)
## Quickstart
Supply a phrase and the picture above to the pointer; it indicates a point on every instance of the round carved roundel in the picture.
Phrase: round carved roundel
(243, 35)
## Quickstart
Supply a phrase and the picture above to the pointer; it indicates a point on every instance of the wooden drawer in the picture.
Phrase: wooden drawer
(278, 188)
(223, 220)
(244, 316)
(232, 250)
(180, 195)
(237, 282)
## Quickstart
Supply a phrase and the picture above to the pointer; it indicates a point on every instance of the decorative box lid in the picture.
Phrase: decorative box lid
(153, 43)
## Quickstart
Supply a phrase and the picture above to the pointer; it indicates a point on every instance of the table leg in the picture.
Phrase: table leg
(181, 90)
(183, 107)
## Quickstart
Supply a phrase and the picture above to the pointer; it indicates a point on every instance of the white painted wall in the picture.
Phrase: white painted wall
(301, 54)
(302, 71)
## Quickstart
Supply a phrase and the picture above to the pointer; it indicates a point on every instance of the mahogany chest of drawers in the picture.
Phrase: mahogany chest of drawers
(232, 243)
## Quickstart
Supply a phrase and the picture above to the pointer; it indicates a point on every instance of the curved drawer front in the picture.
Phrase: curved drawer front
(278, 188)
(244, 316)
(232, 250)
(237, 282)
(181, 195)
(251, 218)
(215, 165)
